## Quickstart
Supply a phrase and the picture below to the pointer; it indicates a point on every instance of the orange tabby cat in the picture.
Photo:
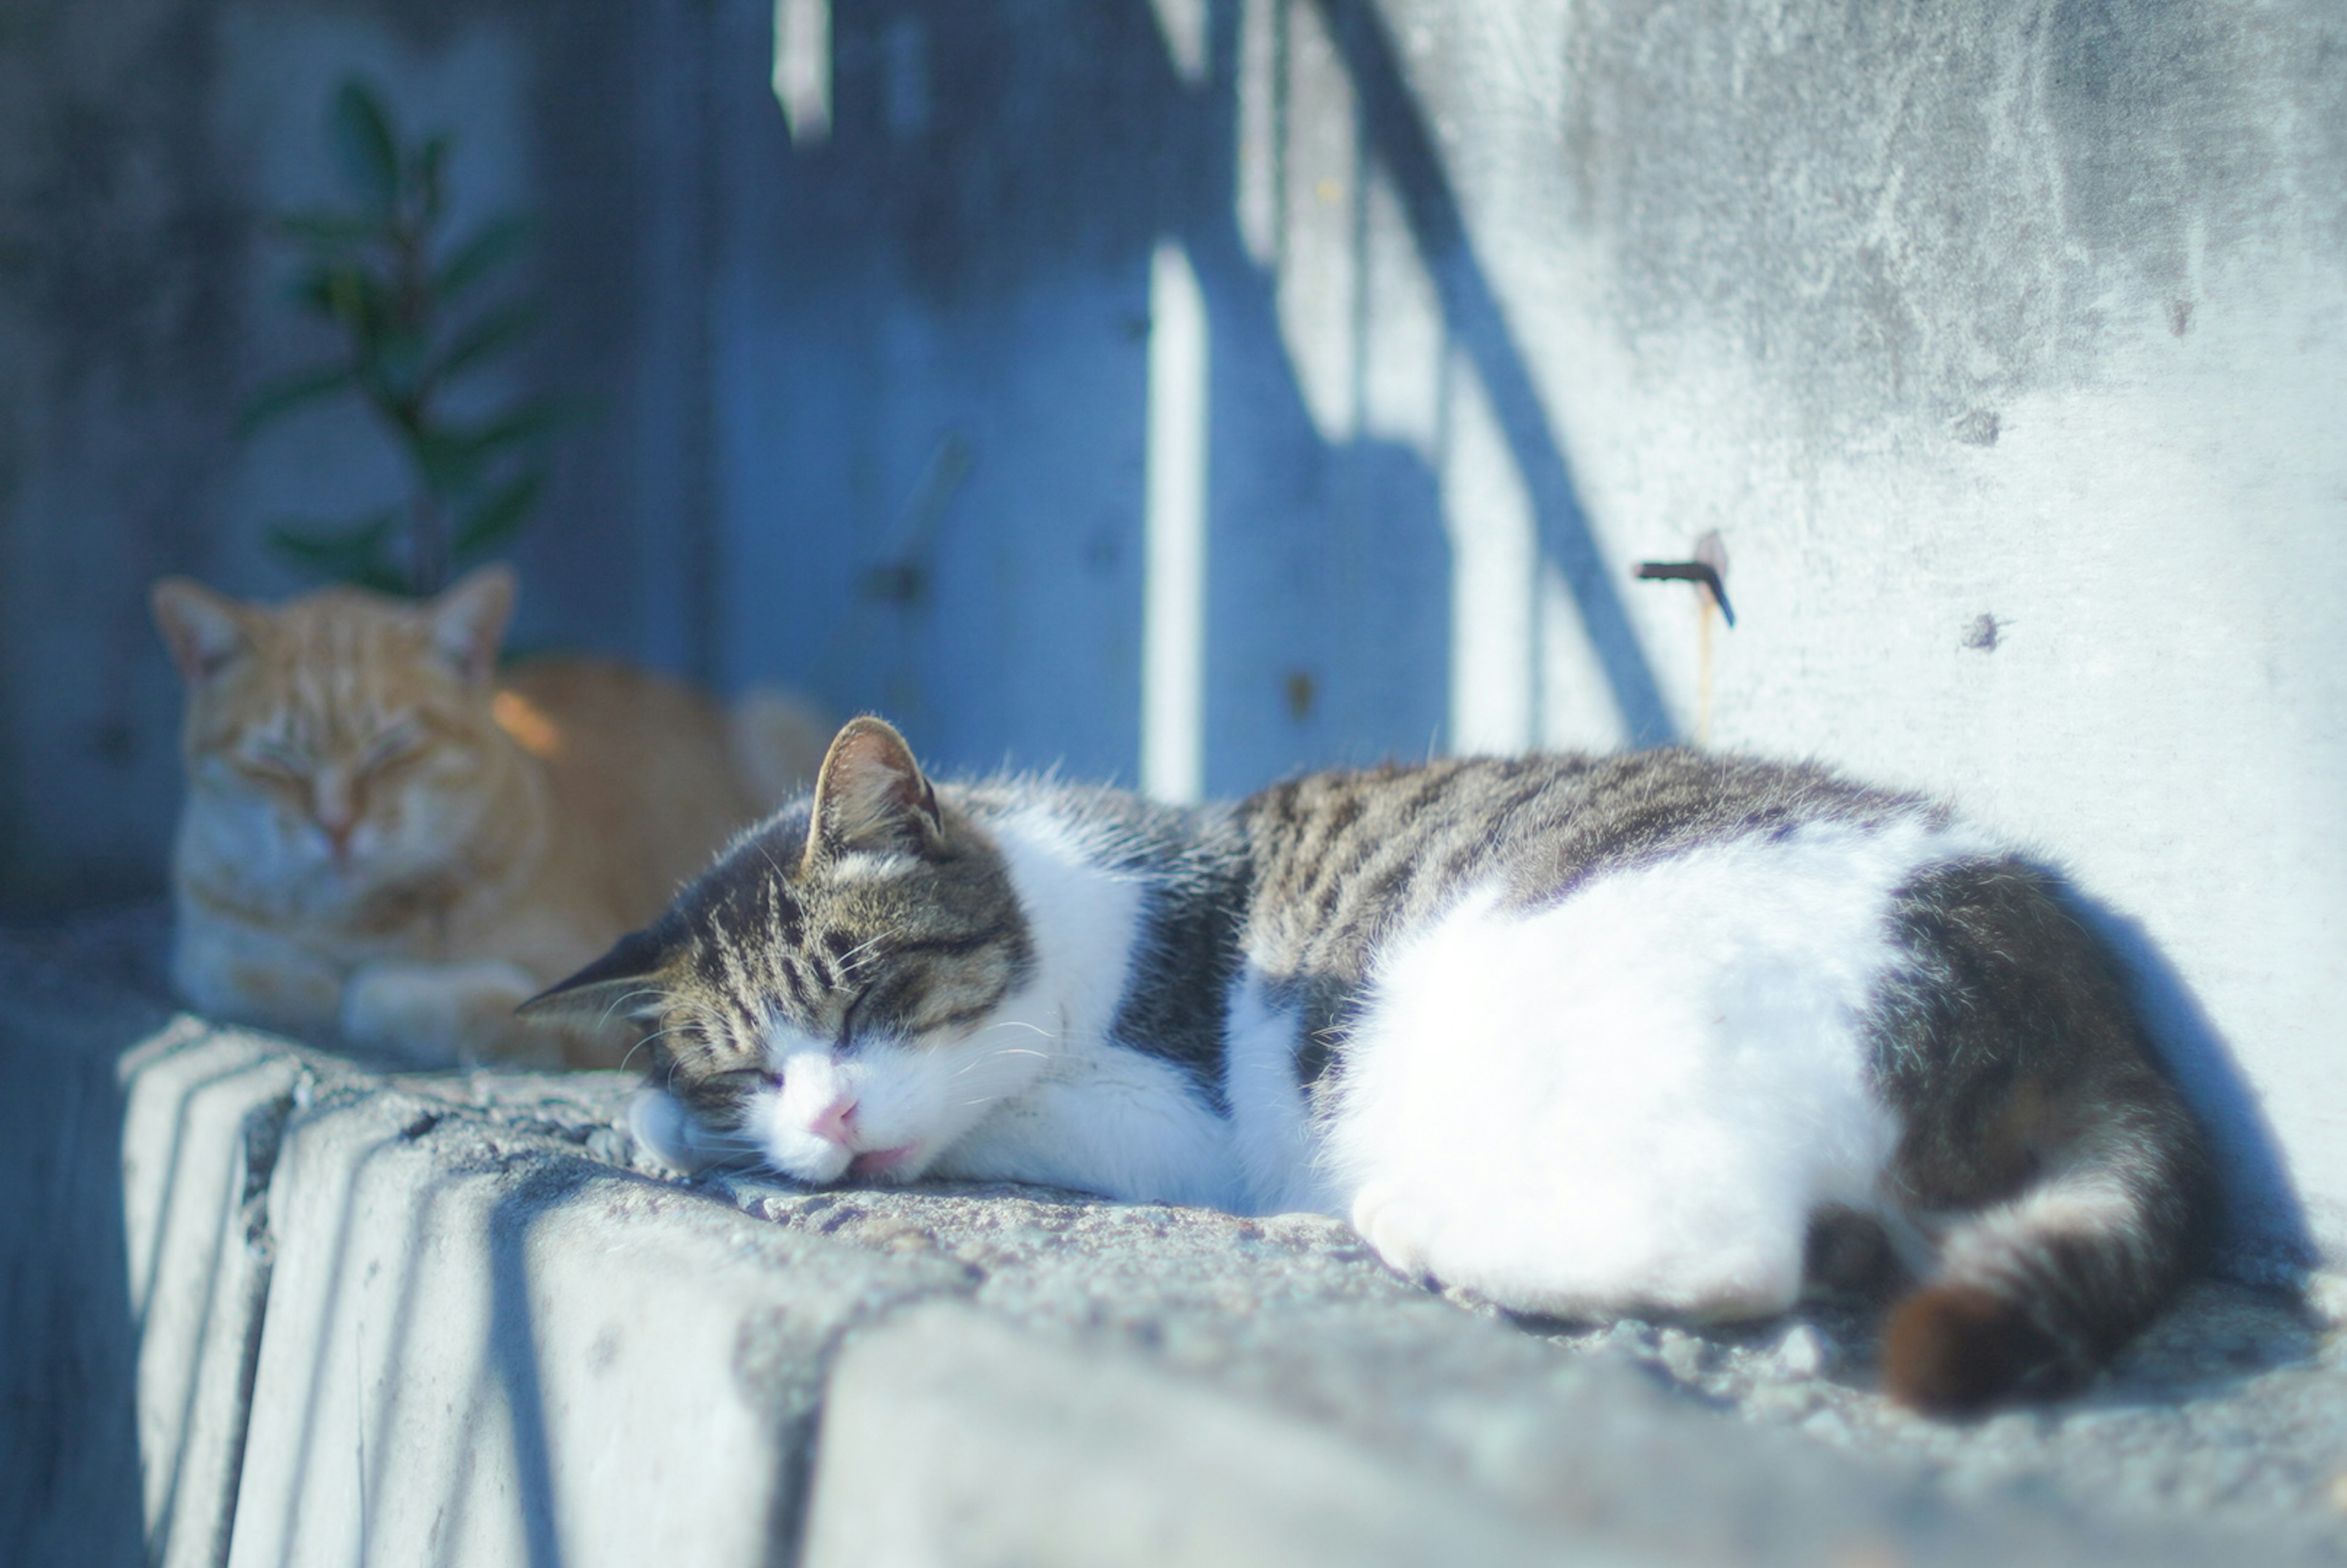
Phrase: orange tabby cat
(383, 835)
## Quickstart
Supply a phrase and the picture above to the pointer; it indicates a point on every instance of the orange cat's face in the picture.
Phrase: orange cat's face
(340, 745)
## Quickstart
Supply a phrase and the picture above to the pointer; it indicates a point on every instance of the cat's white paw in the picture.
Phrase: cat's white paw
(664, 1128)
(436, 1012)
(1398, 1229)
(225, 971)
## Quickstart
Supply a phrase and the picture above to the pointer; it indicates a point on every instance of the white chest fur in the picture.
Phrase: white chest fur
(1097, 1115)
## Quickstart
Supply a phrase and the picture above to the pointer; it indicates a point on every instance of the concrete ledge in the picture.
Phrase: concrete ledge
(448, 1319)
(484, 1347)
(953, 1438)
(199, 1131)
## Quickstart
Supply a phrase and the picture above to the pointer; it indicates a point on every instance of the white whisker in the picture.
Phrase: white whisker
(993, 1056)
(673, 1028)
(625, 997)
(847, 960)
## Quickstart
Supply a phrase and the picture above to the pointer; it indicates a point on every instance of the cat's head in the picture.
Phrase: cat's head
(846, 993)
(341, 744)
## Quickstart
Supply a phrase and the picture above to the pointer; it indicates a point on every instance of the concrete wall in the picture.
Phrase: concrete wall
(1190, 390)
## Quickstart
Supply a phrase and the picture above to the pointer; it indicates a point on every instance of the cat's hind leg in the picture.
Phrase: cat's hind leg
(1561, 1260)
(1558, 1112)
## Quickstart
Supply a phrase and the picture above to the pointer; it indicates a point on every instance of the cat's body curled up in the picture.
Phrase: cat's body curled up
(388, 835)
(1586, 1036)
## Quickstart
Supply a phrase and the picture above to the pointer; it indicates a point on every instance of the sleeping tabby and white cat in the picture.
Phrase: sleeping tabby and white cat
(1586, 1036)
(383, 833)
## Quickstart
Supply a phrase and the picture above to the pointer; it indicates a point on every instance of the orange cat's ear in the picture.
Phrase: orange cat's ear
(871, 796)
(468, 620)
(203, 630)
(623, 983)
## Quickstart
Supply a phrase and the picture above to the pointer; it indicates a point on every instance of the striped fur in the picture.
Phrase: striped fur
(1585, 1035)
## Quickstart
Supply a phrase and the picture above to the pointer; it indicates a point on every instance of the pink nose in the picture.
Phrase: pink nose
(832, 1126)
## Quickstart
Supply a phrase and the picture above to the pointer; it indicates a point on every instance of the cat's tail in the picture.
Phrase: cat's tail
(2032, 1295)
(778, 741)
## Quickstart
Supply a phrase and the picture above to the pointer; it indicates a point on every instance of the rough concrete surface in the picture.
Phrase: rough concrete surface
(457, 1318)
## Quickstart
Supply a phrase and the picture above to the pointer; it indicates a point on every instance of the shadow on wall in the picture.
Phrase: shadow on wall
(2263, 1235)
(1388, 551)
(1397, 135)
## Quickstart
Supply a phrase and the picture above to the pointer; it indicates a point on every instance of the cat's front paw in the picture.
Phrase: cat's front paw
(1397, 1228)
(663, 1127)
(435, 1013)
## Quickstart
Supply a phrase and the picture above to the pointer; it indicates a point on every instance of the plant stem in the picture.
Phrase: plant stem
(427, 560)
(427, 541)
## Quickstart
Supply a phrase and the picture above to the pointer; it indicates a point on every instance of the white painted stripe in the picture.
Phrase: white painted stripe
(1173, 597)
(803, 68)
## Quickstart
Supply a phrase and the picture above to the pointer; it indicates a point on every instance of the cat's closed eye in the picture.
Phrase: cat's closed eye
(274, 761)
(725, 1095)
(395, 744)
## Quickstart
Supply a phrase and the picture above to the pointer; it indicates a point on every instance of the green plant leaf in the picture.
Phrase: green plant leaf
(396, 355)
(492, 334)
(384, 578)
(349, 292)
(361, 129)
(371, 271)
(432, 175)
(330, 229)
(312, 289)
(450, 460)
(526, 420)
(494, 243)
(498, 518)
(340, 550)
(283, 397)
(387, 343)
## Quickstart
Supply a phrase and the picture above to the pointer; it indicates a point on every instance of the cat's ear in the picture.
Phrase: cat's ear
(468, 620)
(204, 630)
(623, 983)
(871, 796)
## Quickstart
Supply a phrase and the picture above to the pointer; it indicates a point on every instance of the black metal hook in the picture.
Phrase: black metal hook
(1699, 571)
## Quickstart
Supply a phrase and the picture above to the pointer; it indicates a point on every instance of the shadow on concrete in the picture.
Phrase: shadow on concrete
(69, 1351)
(321, 1336)
(398, 1340)
(509, 1376)
(514, 1350)
(257, 1135)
